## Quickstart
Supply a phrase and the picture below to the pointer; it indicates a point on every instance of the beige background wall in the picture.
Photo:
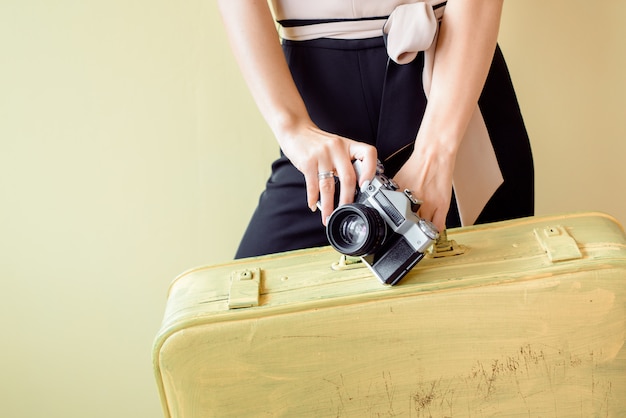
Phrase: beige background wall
(131, 151)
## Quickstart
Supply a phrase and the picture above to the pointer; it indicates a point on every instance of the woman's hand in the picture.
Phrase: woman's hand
(465, 47)
(313, 151)
(255, 43)
(428, 175)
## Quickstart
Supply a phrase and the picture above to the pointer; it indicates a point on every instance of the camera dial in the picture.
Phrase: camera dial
(429, 229)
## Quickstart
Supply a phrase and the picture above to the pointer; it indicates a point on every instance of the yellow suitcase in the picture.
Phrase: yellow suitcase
(521, 318)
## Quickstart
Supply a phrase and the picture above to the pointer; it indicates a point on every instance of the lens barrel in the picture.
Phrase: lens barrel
(356, 229)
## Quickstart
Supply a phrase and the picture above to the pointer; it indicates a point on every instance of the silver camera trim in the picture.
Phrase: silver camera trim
(398, 211)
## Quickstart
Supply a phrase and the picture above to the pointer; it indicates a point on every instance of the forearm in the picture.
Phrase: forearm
(466, 43)
(254, 41)
(465, 48)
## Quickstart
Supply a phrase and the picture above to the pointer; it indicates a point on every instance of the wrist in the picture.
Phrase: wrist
(288, 124)
(442, 146)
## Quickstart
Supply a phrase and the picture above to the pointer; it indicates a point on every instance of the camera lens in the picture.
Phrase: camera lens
(356, 229)
(353, 230)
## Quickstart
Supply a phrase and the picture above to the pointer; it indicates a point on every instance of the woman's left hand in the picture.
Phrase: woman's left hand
(467, 40)
(428, 175)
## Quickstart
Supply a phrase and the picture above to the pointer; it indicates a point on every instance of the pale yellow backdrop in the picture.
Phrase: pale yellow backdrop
(130, 151)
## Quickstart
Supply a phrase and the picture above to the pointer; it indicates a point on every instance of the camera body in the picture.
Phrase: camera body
(382, 228)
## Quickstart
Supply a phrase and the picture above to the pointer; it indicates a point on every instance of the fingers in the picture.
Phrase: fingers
(327, 195)
(435, 205)
(331, 166)
(327, 182)
(428, 175)
(439, 220)
(434, 215)
(347, 179)
(369, 159)
(312, 189)
(320, 187)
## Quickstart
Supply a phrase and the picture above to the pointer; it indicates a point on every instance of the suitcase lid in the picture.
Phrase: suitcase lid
(491, 254)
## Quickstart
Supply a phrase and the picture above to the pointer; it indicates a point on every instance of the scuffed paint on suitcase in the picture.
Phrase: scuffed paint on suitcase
(529, 321)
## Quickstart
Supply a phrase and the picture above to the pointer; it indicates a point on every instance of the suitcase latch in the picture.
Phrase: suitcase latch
(444, 247)
(558, 243)
(245, 288)
(348, 263)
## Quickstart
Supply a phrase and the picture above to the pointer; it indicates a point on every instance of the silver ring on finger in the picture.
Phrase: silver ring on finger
(325, 175)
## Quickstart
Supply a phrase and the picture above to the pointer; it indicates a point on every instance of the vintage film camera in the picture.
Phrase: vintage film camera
(381, 227)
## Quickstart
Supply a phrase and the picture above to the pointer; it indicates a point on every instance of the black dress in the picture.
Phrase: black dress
(352, 89)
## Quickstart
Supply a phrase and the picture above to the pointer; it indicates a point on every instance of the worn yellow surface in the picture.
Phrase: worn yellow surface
(502, 330)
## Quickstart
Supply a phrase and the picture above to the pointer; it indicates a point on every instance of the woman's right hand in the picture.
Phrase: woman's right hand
(313, 151)
(252, 34)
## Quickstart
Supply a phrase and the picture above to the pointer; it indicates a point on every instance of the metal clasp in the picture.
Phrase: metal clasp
(557, 243)
(245, 288)
(444, 247)
(347, 263)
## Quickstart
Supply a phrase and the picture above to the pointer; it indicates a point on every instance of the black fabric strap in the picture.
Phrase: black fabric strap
(293, 23)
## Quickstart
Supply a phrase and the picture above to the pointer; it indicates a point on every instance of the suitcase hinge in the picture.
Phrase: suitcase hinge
(245, 288)
(557, 243)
